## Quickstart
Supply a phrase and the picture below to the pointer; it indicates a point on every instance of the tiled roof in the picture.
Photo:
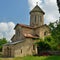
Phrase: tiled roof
(12, 43)
(27, 26)
(43, 26)
(30, 35)
(22, 25)
(13, 37)
(26, 35)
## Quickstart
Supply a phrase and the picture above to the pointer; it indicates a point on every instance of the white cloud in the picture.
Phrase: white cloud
(1, 35)
(32, 3)
(50, 8)
(7, 30)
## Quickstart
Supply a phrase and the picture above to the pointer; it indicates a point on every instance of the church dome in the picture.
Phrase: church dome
(37, 9)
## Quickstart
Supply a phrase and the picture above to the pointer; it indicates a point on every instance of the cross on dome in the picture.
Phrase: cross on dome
(36, 3)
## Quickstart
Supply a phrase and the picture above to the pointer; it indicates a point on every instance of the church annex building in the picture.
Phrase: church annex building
(23, 41)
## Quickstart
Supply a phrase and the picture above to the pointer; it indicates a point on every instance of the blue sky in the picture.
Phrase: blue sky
(16, 11)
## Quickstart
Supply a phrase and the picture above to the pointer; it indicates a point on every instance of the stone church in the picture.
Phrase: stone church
(26, 35)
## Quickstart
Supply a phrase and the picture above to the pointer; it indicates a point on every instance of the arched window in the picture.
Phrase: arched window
(39, 19)
(33, 47)
(21, 51)
(18, 32)
(7, 48)
(45, 33)
(35, 18)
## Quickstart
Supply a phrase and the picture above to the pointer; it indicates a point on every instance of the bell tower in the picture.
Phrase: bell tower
(36, 17)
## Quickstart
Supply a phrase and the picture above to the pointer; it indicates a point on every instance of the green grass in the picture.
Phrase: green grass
(33, 58)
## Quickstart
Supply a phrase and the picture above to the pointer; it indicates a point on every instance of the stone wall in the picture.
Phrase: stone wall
(39, 17)
(8, 51)
(24, 48)
(19, 33)
(40, 31)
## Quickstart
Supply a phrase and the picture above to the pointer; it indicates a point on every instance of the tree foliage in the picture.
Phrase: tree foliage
(43, 46)
(2, 41)
(55, 33)
(51, 42)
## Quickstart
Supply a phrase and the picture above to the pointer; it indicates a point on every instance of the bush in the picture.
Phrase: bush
(51, 42)
(43, 46)
(2, 41)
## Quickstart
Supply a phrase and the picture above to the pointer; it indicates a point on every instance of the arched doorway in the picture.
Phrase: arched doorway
(38, 50)
(8, 52)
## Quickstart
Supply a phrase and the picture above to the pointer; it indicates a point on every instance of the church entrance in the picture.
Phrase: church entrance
(38, 50)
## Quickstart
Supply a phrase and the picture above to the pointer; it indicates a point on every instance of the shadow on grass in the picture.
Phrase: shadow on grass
(52, 58)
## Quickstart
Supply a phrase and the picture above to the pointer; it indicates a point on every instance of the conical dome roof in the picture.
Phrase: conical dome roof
(37, 9)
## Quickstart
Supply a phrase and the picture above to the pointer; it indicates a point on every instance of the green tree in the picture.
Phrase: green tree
(55, 33)
(51, 42)
(2, 42)
(43, 46)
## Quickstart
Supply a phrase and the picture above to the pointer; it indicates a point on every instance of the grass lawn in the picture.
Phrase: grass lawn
(33, 58)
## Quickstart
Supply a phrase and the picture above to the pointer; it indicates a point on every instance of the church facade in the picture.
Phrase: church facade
(26, 35)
